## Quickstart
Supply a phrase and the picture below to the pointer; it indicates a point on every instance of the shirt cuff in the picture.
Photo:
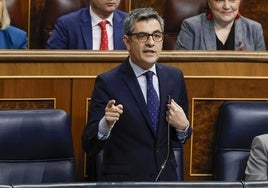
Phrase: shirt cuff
(182, 134)
(104, 130)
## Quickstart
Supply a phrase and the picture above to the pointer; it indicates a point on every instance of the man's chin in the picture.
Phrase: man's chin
(150, 60)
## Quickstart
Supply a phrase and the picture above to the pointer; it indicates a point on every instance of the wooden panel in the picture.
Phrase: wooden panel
(37, 88)
(204, 128)
(68, 77)
(205, 97)
(27, 103)
(84, 63)
(36, 20)
(257, 12)
(19, 11)
(82, 89)
(158, 5)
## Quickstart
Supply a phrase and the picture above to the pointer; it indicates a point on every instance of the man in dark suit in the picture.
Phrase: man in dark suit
(80, 29)
(119, 119)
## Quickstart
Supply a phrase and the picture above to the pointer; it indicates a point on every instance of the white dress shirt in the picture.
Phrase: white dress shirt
(96, 30)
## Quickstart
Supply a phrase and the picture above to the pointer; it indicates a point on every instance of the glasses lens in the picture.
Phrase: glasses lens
(157, 37)
(143, 37)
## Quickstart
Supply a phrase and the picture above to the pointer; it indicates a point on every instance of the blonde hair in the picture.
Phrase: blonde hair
(5, 19)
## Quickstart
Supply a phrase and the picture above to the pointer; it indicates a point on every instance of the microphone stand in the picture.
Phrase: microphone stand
(168, 140)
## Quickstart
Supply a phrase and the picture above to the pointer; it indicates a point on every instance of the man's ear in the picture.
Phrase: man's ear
(127, 41)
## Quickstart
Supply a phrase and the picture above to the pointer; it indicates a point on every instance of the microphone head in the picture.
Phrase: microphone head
(168, 102)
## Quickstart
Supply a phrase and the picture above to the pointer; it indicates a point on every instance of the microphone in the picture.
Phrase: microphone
(163, 165)
(168, 102)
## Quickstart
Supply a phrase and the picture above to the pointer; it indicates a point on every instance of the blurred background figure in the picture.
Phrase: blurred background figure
(82, 29)
(10, 36)
(257, 165)
(221, 28)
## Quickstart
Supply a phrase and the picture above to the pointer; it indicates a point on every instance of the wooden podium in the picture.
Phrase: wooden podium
(31, 79)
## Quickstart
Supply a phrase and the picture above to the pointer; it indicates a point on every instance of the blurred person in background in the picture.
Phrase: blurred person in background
(221, 28)
(10, 37)
(81, 29)
(257, 164)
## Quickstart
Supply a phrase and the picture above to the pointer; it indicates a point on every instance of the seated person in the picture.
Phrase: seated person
(10, 36)
(257, 165)
(221, 28)
(80, 29)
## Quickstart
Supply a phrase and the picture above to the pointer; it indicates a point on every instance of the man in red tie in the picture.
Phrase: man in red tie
(97, 27)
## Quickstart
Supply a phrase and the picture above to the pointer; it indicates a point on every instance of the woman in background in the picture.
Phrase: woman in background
(221, 28)
(10, 36)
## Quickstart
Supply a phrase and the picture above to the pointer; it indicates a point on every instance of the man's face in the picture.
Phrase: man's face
(144, 53)
(103, 8)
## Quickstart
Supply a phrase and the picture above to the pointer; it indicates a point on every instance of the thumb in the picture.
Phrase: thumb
(111, 103)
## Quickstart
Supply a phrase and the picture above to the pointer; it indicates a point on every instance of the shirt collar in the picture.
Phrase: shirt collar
(139, 71)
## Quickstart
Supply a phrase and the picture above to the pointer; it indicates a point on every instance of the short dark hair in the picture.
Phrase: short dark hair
(140, 14)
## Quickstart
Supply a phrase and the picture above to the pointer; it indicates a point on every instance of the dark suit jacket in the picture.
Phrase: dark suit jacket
(198, 33)
(133, 152)
(74, 31)
(13, 38)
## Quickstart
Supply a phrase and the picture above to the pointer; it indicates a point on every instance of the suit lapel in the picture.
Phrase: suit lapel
(118, 30)
(163, 92)
(239, 35)
(86, 28)
(209, 34)
(134, 87)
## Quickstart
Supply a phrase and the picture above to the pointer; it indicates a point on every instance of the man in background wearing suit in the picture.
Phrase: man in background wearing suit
(257, 165)
(120, 121)
(80, 29)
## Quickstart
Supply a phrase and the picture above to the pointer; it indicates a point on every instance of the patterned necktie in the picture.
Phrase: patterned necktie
(104, 35)
(153, 103)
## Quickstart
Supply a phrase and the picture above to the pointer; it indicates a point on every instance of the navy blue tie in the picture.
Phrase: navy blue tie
(153, 103)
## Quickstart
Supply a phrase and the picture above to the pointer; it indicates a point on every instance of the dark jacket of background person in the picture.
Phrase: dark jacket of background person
(74, 31)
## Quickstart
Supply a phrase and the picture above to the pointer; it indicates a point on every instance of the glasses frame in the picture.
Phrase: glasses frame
(148, 35)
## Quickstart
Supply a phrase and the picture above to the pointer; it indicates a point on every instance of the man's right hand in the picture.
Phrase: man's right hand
(113, 112)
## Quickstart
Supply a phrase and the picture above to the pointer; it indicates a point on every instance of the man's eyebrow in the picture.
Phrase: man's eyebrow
(156, 31)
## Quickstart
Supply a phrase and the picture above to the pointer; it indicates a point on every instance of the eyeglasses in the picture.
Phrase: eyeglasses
(143, 37)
